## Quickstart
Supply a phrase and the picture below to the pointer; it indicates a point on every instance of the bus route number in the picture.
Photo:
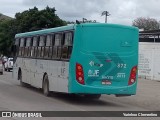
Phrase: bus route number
(121, 65)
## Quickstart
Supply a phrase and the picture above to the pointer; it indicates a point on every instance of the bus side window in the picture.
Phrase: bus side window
(22, 45)
(28, 46)
(54, 48)
(19, 51)
(57, 46)
(41, 47)
(70, 45)
(67, 46)
(17, 41)
(34, 48)
(69, 51)
(48, 52)
(51, 46)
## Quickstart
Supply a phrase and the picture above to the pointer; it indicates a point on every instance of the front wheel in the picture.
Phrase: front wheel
(46, 91)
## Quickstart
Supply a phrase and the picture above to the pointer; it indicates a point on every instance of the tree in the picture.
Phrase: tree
(6, 36)
(29, 20)
(146, 23)
(34, 19)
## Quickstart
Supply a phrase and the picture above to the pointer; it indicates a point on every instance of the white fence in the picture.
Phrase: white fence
(149, 60)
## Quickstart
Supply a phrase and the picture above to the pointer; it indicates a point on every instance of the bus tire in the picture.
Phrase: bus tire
(46, 91)
(93, 96)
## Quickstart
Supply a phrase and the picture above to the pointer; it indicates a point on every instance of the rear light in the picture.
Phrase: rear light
(79, 74)
(132, 78)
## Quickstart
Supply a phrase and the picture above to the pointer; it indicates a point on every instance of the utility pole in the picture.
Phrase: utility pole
(106, 13)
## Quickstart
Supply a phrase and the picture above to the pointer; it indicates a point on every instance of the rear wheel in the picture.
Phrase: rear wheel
(46, 91)
(93, 96)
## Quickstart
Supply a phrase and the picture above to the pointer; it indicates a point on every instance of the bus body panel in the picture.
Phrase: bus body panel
(33, 71)
(107, 54)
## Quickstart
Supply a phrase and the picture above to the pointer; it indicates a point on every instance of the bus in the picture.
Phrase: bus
(88, 59)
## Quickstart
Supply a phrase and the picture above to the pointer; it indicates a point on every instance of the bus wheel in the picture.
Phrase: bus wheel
(46, 91)
(93, 96)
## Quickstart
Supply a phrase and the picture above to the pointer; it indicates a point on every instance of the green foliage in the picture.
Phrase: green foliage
(4, 17)
(29, 20)
(6, 36)
(33, 19)
(146, 23)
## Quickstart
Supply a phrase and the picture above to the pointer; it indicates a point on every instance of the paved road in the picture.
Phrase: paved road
(16, 98)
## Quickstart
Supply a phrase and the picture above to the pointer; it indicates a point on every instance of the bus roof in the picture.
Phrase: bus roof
(70, 27)
(45, 31)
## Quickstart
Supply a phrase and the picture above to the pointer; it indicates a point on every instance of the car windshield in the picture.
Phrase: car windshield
(11, 59)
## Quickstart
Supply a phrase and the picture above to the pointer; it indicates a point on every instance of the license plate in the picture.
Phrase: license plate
(106, 82)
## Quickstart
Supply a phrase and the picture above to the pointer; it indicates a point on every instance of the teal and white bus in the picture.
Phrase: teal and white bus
(88, 59)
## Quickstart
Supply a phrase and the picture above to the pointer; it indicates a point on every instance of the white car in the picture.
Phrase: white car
(9, 64)
(1, 67)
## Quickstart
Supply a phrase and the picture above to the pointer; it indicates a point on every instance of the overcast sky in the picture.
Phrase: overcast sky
(122, 11)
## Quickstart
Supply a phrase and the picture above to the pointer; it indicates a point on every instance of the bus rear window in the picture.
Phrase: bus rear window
(104, 39)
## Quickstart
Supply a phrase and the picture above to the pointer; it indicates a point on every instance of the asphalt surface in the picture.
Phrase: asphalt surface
(14, 97)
